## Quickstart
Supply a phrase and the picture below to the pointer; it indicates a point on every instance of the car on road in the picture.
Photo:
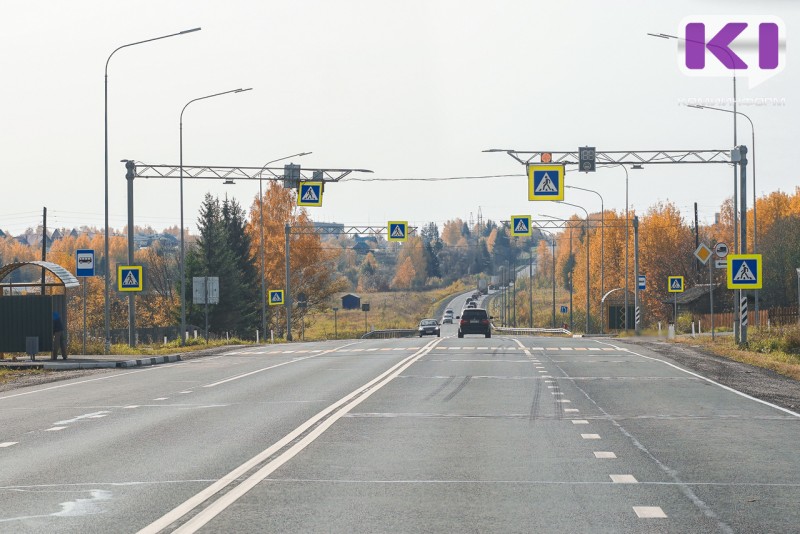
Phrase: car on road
(475, 321)
(447, 318)
(429, 327)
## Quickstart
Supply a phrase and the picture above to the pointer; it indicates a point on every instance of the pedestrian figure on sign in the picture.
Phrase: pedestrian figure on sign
(59, 339)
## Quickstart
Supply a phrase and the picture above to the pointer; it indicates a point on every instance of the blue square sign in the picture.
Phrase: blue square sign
(84, 262)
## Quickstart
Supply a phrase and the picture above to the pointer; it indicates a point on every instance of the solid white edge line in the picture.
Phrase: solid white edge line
(723, 386)
(244, 375)
(193, 502)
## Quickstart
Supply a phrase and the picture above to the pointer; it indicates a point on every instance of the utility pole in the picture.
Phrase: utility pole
(44, 243)
(637, 314)
(288, 295)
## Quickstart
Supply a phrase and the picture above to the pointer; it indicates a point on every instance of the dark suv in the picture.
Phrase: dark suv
(475, 321)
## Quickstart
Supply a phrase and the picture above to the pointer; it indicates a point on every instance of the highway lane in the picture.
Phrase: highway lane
(479, 435)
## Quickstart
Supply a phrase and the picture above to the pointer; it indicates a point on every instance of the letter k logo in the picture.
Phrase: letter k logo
(719, 45)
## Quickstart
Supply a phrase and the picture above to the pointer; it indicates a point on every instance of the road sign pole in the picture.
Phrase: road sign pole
(84, 315)
(205, 300)
(131, 296)
(287, 297)
(743, 229)
(711, 296)
(675, 313)
(637, 328)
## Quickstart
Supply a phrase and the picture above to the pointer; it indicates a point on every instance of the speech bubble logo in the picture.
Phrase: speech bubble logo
(747, 46)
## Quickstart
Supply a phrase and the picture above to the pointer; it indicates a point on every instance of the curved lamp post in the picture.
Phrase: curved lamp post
(183, 256)
(107, 310)
(587, 258)
(602, 246)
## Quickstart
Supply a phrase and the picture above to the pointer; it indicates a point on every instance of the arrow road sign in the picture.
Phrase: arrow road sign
(521, 225)
(675, 284)
(564, 309)
(744, 271)
(397, 231)
(310, 194)
(545, 182)
(276, 297)
(129, 278)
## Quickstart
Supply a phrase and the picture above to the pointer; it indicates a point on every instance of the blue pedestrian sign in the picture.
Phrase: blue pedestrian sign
(675, 284)
(521, 225)
(642, 282)
(84, 262)
(744, 271)
(310, 194)
(129, 278)
(564, 309)
(276, 297)
(397, 231)
(545, 182)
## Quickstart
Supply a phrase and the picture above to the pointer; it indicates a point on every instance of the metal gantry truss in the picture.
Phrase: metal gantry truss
(336, 230)
(219, 172)
(623, 157)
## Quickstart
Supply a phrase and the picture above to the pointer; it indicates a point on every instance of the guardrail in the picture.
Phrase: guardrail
(531, 331)
(390, 334)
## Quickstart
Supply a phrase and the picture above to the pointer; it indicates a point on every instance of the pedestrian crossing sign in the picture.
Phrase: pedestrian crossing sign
(675, 284)
(546, 182)
(310, 194)
(276, 297)
(129, 278)
(521, 225)
(744, 271)
(397, 231)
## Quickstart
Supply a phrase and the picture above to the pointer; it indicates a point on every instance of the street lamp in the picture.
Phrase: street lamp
(602, 245)
(571, 270)
(107, 309)
(263, 260)
(183, 257)
(587, 258)
(755, 204)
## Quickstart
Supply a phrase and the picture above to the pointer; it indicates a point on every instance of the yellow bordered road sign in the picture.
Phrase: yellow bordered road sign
(310, 194)
(275, 297)
(702, 253)
(129, 278)
(675, 284)
(744, 271)
(397, 230)
(521, 225)
(545, 182)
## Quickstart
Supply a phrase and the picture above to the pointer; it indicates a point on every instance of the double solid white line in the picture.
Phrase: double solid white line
(328, 416)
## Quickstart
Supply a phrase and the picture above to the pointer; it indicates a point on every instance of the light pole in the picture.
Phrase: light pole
(602, 245)
(107, 269)
(798, 296)
(587, 258)
(183, 257)
(724, 49)
(571, 270)
(755, 204)
(261, 246)
(335, 329)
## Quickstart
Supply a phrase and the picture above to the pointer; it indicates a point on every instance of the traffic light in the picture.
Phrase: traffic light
(131, 166)
(291, 176)
(586, 161)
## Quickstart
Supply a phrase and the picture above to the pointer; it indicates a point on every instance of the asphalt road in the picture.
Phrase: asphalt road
(414, 435)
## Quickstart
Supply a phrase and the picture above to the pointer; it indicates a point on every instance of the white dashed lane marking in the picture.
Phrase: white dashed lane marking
(623, 479)
(161, 398)
(590, 436)
(55, 429)
(649, 512)
(580, 422)
(604, 454)
(571, 410)
(7, 444)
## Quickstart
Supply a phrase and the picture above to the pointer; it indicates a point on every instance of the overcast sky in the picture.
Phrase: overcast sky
(411, 89)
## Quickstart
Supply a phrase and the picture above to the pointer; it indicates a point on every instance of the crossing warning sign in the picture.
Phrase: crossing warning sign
(129, 278)
(397, 231)
(546, 182)
(521, 225)
(275, 297)
(675, 284)
(310, 194)
(744, 271)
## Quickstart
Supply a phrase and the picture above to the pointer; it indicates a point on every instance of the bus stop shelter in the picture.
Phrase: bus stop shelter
(26, 318)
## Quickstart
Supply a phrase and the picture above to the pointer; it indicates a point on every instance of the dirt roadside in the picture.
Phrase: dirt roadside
(757, 382)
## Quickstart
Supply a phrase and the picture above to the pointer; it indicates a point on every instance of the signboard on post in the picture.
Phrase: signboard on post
(564, 309)
(310, 194)
(642, 282)
(129, 278)
(199, 286)
(675, 284)
(721, 250)
(397, 231)
(744, 271)
(545, 182)
(521, 225)
(702, 253)
(276, 297)
(84, 262)
(586, 158)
